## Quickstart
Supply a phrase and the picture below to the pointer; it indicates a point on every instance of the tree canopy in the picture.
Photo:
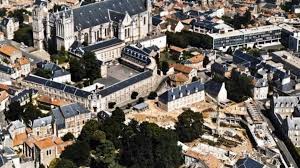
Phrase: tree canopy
(189, 126)
(62, 163)
(68, 136)
(110, 143)
(185, 38)
(78, 153)
(87, 67)
(148, 145)
(24, 34)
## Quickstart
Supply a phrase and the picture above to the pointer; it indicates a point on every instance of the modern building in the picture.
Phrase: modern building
(258, 36)
(290, 37)
(182, 96)
(207, 26)
(290, 61)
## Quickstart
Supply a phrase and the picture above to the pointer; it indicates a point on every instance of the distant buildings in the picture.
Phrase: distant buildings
(258, 36)
(182, 96)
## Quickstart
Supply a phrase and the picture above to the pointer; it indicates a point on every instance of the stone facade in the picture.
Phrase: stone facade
(127, 20)
(182, 96)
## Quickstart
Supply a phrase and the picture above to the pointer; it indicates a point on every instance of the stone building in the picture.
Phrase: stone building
(182, 96)
(284, 105)
(128, 20)
(70, 118)
(9, 26)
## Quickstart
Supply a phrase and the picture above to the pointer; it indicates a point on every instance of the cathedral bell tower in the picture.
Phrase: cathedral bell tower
(65, 29)
(40, 11)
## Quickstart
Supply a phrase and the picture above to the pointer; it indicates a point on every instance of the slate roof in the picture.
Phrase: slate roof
(98, 13)
(185, 90)
(42, 121)
(156, 21)
(137, 54)
(103, 44)
(63, 112)
(60, 86)
(5, 21)
(25, 94)
(219, 67)
(55, 69)
(245, 59)
(123, 84)
(116, 16)
(205, 24)
(41, 2)
(248, 163)
(279, 101)
(213, 88)
(6, 69)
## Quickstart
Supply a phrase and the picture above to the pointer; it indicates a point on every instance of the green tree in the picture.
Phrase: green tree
(68, 136)
(152, 95)
(118, 115)
(164, 67)
(134, 95)
(105, 156)
(14, 112)
(76, 70)
(150, 146)
(3, 12)
(111, 105)
(189, 126)
(18, 14)
(24, 34)
(92, 68)
(141, 100)
(62, 163)
(31, 113)
(97, 138)
(43, 73)
(78, 153)
(88, 130)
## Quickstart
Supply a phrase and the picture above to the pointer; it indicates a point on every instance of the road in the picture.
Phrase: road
(281, 145)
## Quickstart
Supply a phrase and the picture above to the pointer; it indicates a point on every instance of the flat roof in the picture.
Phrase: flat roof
(245, 31)
(288, 57)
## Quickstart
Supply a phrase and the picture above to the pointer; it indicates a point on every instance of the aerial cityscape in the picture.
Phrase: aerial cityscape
(149, 83)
